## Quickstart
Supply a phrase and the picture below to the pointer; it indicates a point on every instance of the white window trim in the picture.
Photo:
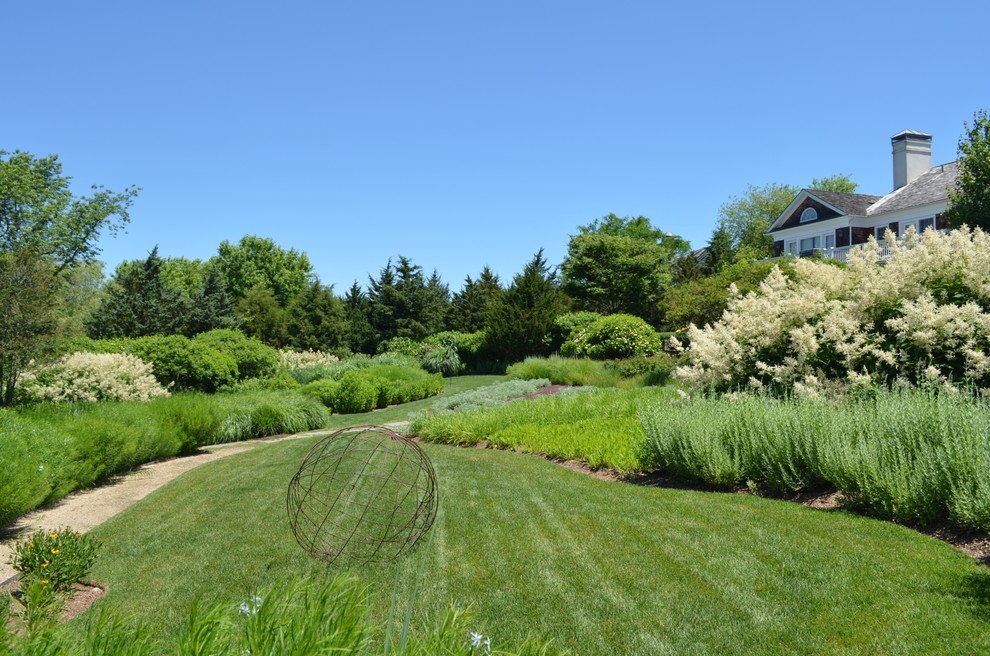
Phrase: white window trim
(808, 215)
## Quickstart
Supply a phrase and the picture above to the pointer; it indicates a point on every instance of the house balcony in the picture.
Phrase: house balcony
(840, 253)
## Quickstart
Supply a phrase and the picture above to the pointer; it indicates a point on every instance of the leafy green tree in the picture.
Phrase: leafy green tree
(524, 314)
(838, 182)
(38, 211)
(255, 261)
(471, 306)
(212, 306)
(746, 218)
(77, 298)
(969, 202)
(45, 231)
(619, 265)
(262, 317)
(138, 303)
(316, 320)
(28, 282)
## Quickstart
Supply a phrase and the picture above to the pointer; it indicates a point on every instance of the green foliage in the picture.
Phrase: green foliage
(57, 557)
(77, 298)
(523, 315)
(262, 317)
(404, 303)
(471, 307)
(253, 358)
(402, 346)
(748, 217)
(186, 364)
(40, 214)
(615, 267)
(316, 320)
(702, 301)
(324, 390)
(565, 371)
(567, 326)
(598, 427)
(969, 202)
(614, 336)
(212, 306)
(27, 320)
(139, 302)
(910, 456)
(488, 396)
(91, 377)
(650, 370)
(356, 393)
(258, 262)
(839, 182)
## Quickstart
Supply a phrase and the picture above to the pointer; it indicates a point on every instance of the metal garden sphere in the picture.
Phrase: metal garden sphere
(362, 495)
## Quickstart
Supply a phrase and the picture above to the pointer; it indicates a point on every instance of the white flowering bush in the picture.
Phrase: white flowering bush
(91, 377)
(294, 360)
(612, 337)
(919, 317)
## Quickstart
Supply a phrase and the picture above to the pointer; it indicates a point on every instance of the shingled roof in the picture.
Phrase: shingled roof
(855, 204)
(930, 187)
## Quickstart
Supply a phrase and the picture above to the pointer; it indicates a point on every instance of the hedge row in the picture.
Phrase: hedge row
(47, 451)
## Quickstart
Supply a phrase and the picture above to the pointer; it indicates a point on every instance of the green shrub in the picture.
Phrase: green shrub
(565, 371)
(402, 346)
(253, 358)
(186, 364)
(567, 326)
(325, 391)
(356, 394)
(650, 370)
(442, 359)
(612, 337)
(29, 474)
(282, 380)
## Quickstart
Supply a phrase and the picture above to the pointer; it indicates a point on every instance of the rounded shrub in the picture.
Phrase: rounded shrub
(186, 364)
(325, 391)
(91, 377)
(356, 394)
(567, 326)
(253, 358)
(613, 337)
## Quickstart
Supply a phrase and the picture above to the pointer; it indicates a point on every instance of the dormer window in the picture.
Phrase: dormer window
(809, 214)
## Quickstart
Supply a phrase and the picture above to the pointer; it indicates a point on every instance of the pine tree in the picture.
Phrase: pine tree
(316, 320)
(212, 307)
(523, 315)
(139, 303)
(471, 306)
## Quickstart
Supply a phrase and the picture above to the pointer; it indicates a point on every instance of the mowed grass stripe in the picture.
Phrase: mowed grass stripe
(604, 568)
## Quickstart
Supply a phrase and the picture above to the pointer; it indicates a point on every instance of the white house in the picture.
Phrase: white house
(830, 222)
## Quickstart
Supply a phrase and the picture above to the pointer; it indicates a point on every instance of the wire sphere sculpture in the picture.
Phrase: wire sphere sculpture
(362, 495)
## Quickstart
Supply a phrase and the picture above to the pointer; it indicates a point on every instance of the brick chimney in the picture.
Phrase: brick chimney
(912, 156)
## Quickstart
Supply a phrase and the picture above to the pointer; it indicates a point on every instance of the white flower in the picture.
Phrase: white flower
(479, 640)
(251, 606)
(41, 468)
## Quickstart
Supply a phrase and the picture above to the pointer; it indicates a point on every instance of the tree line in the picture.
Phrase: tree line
(52, 286)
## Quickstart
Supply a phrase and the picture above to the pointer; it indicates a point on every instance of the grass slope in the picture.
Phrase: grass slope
(604, 568)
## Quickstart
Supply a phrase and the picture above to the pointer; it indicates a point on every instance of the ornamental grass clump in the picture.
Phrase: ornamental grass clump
(917, 318)
(92, 377)
(911, 455)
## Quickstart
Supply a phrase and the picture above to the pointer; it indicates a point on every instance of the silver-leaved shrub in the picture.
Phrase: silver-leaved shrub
(918, 317)
(91, 377)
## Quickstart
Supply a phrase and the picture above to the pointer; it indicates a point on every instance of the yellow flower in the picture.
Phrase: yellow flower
(53, 535)
(44, 564)
(54, 551)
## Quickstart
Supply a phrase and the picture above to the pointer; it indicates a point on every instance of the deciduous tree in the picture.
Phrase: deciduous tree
(969, 203)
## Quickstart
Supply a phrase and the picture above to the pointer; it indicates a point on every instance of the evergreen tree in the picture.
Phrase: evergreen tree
(405, 304)
(720, 251)
(212, 306)
(138, 303)
(262, 317)
(471, 306)
(316, 320)
(524, 314)
(360, 335)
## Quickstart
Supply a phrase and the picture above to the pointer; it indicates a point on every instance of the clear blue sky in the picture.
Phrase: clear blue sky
(461, 133)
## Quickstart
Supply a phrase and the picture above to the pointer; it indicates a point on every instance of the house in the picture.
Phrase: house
(830, 223)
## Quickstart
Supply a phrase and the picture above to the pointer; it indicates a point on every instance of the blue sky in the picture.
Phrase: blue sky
(462, 134)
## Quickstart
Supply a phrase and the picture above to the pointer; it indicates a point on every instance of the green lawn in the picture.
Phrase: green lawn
(603, 568)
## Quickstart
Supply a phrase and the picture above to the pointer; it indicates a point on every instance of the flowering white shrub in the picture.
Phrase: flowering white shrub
(294, 360)
(91, 377)
(919, 317)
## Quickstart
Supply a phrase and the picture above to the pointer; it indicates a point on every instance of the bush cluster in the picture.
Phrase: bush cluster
(91, 377)
(46, 451)
(612, 337)
(913, 456)
(918, 318)
(208, 362)
(352, 390)
(565, 371)
(292, 360)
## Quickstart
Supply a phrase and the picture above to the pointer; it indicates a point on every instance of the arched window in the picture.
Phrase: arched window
(809, 214)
